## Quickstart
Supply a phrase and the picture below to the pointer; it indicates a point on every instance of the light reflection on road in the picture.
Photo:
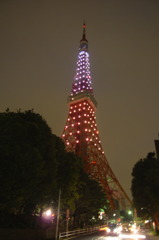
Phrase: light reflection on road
(132, 236)
(123, 236)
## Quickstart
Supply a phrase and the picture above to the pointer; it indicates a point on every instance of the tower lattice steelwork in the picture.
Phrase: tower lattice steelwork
(81, 134)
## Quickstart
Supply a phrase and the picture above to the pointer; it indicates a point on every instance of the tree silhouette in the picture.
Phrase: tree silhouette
(145, 187)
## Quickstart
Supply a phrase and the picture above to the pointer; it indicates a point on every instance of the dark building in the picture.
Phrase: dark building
(157, 147)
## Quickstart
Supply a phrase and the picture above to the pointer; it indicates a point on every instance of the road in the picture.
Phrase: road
(101, 235)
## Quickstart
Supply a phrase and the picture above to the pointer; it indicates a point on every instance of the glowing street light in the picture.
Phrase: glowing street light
(129, 212)
(48, 213)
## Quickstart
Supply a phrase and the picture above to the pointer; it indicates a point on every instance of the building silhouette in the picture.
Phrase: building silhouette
(157, 147)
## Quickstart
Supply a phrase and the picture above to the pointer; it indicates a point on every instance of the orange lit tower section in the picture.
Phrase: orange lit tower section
(81, 134)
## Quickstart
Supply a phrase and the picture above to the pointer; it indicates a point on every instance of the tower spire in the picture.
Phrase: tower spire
(84, 42)
(84, 32)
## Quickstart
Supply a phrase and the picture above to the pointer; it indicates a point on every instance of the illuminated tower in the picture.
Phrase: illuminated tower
(81, 134)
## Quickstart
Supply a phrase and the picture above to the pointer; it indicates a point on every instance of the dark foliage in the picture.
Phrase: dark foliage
(91, 200)
(27, 162)
(145, 186)
(34, 166)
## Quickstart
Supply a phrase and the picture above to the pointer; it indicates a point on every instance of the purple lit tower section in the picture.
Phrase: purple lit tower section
(82, 79)
(81, 134)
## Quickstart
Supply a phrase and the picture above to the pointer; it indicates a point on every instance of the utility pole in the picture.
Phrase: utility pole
(58, 215)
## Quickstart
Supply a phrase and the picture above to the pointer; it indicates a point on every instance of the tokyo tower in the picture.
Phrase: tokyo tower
(82, 136)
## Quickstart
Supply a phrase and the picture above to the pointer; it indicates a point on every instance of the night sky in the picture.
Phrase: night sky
(38, 52)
